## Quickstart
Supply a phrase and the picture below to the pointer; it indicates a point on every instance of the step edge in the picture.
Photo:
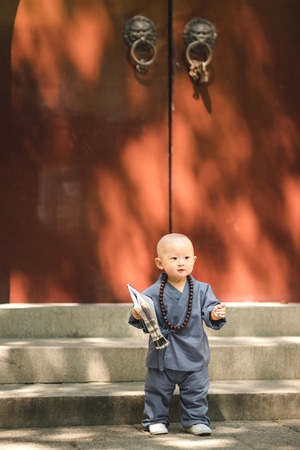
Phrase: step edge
(94, 342)
(125, 389)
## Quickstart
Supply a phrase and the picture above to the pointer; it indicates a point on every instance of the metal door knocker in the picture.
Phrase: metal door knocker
(199, 37)
(140, 35)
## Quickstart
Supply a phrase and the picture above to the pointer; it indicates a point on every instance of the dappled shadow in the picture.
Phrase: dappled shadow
(88, 168)
(90, 147)
(236, 177)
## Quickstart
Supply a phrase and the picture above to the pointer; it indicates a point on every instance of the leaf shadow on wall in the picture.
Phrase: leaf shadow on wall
(87, 153)
(236, 179)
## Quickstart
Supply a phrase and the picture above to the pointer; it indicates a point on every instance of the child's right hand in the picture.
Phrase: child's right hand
(219, 312)
(135, 314)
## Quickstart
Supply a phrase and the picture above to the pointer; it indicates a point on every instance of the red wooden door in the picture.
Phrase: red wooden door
(104, 160)
(90, 151)
(236, 159)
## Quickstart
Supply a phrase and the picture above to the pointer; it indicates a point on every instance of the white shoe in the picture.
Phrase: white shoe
(158, 428)
(199, 429)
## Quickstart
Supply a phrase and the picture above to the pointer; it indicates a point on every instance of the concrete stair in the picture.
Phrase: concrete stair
(84, 365)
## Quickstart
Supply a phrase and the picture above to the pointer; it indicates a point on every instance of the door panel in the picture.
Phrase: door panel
(90, 151)
(236, 157)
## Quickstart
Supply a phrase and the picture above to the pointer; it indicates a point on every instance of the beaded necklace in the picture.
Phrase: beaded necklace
(162, 306)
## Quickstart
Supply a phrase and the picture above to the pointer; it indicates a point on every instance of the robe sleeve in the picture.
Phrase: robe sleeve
(209, 302)
(137, 323)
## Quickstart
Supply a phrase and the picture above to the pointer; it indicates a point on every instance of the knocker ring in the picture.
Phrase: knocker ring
(137, 47)
(197, 67)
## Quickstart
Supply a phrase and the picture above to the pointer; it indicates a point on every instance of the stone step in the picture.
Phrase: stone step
(83, 360)
(110, 320)
(51, 405)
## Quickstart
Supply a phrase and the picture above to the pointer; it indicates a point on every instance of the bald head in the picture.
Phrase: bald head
(172, 239)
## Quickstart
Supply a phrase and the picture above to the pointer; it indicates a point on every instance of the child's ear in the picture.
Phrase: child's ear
(158, 263)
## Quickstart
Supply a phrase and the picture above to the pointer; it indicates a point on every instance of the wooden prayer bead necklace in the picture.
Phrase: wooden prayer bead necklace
(162, 306)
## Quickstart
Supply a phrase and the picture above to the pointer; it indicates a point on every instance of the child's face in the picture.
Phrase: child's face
(176, 258)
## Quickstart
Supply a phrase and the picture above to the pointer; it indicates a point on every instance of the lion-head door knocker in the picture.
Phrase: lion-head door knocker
(140, 35)
(199, 37)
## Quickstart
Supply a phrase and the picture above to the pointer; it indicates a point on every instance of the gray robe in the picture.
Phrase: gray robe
(188, 349)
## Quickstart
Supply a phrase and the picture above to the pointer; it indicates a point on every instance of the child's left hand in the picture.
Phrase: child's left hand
(219, 312)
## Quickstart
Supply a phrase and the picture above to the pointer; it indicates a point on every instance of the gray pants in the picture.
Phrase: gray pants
(159, 388)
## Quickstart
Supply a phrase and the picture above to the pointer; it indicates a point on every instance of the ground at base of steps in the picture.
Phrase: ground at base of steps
(244, 435)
